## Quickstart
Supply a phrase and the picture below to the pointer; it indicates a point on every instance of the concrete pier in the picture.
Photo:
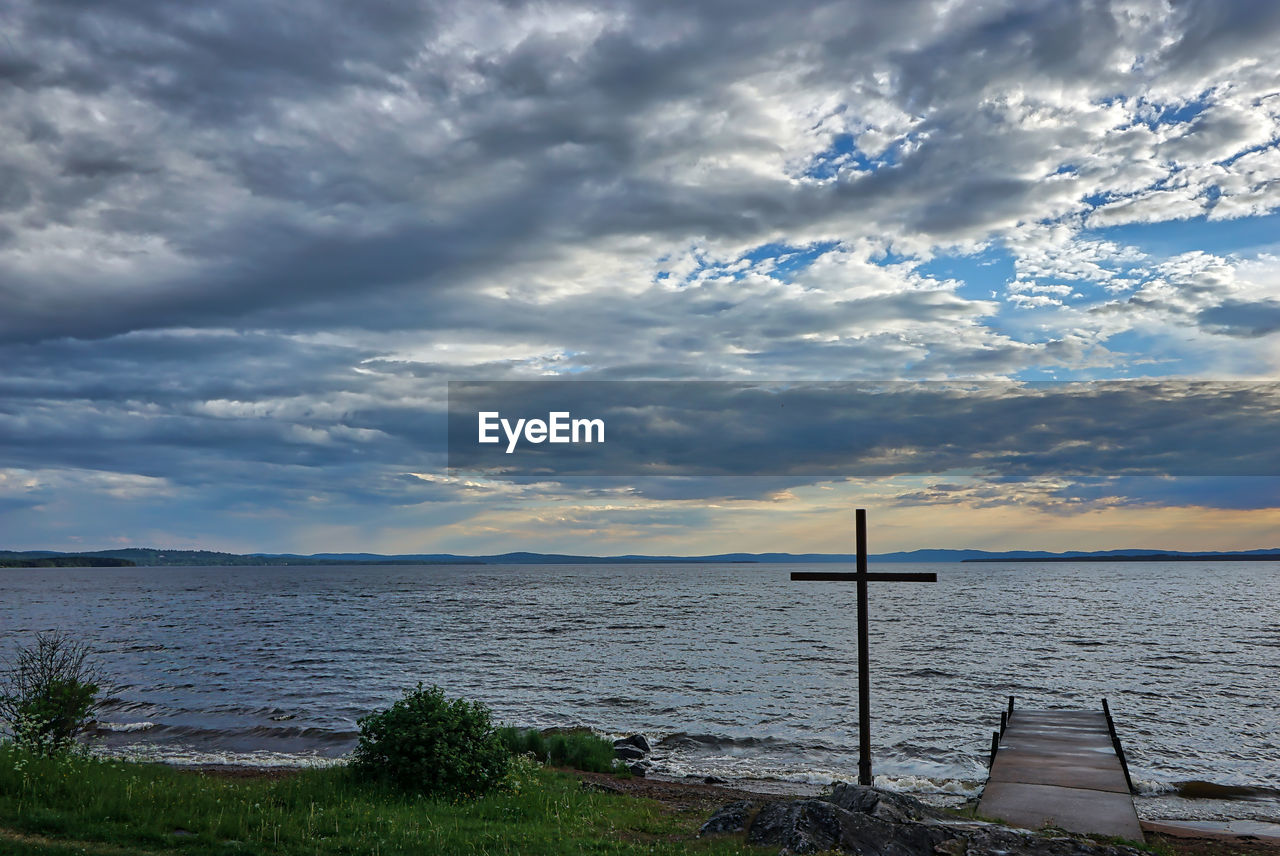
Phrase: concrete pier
(1060, 768)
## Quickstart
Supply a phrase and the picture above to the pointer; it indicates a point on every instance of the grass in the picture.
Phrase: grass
(580, 750)
(1158, 848)
(106, 807)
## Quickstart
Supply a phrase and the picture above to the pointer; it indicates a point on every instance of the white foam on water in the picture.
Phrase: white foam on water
(185, 756)
(1151, 788)
(736, 768)
(925, 785)
(1170, 806)
(125, 726)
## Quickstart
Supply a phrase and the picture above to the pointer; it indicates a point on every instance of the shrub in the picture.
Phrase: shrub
(580, 750)
(433, 745)
(50, 692)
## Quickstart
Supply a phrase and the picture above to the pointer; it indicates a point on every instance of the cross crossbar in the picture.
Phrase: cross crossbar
(879, 576)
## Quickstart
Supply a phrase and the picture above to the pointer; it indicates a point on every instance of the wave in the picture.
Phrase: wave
(686, 740)
(266, 732)
(1197, 789)
(120, 705)
(1151, 788)
(123, 726)
(185, 756)
(927, 785)
(928, 673)
(212, 735)
(746, 772)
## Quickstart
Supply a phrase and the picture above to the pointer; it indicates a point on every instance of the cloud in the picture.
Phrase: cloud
(251, 241)
(1237, 318)
(286, 157)
(835, 429)
(1079, 496)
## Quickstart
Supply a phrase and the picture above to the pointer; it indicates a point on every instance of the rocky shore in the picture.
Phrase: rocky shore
(871, 822)
(865, 821)
(791, 824)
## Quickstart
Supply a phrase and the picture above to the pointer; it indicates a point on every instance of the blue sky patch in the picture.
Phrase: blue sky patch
(790, 259)
(1175, 114)
(1245, 236)
(843, 153)
(980, 274)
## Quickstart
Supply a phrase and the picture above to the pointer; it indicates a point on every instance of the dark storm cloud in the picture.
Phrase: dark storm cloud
(717, 428)
(1213, 33)
(173, 371)
(213, 62)
(1066, 42)
(1239, 318)
(194, 408)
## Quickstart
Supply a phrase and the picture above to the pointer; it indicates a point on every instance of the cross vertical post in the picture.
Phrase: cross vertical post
(862, 577)
(864, 658)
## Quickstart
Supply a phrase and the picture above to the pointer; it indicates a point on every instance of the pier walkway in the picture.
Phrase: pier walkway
(1062, 768)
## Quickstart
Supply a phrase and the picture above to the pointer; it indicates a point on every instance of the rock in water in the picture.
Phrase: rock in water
(639, 741)
(627, 752)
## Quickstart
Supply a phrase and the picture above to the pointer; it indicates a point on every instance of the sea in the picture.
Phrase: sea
(730, 670)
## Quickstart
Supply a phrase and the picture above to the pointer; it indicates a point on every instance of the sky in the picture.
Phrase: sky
(245, 246)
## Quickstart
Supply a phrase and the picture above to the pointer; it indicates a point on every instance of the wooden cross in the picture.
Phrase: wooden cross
(864, 678)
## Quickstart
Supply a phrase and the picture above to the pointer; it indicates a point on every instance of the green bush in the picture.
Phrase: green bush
(580, 750)
(50, 693)
(432, 745)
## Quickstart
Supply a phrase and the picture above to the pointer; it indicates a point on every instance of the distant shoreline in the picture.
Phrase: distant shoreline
(1152, 557)
(152, 557)
(67, 562)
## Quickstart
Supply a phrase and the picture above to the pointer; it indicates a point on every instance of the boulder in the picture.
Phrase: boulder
(639, 741)
(885, 805)
(627, 752)
(814, 826)
(730, 818)
(867, 822)
(859, 798)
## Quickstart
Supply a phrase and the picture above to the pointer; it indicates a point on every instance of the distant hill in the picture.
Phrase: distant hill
(156, 557)
(1255, 556)
(150, 557)
(61, 561)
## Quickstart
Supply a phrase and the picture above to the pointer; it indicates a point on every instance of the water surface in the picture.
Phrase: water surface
(736, 670)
